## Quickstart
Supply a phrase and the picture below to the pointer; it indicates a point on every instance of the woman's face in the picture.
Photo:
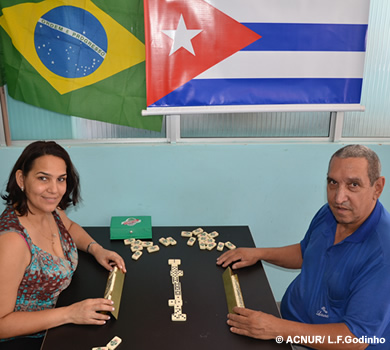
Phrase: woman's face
(45, 184)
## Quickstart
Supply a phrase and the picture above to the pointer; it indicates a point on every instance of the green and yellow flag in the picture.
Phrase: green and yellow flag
(84, 58)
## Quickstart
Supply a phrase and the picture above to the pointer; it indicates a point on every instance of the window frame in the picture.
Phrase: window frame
(173, 135)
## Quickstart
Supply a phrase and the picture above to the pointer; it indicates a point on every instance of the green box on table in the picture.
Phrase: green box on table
(124, 227)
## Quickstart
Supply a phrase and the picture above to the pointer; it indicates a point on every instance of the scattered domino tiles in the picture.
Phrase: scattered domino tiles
(129, 241)
(186, 234)
(230, 245)
(171, 241)
(114, 342)
(191, 241)
(112, 345)
(176, 303)
(136, 246)
(205, 240)
(136, 255)
(164, 241)
(153, 248)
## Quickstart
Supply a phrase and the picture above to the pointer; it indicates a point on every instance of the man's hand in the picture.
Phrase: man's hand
(243, 256)
(255, 324)
(259, 325)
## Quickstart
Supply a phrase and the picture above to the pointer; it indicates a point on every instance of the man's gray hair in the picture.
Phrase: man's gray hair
(360, 151)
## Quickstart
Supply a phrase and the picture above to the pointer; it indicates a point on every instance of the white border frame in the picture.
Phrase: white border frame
(253, 109)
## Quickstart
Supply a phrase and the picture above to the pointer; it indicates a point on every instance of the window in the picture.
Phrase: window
(30, 123)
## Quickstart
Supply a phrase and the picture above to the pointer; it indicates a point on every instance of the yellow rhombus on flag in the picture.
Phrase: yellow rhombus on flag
(82, 58)
(125, 50)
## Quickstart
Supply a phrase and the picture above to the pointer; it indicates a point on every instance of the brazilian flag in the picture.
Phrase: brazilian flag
(84, 58)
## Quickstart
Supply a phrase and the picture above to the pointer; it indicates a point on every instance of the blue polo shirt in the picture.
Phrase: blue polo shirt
(348, 282)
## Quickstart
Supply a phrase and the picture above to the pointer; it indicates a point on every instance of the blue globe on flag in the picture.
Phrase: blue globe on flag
(70, 42)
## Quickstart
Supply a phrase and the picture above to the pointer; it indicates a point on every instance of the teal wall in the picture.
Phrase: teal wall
(275, 189)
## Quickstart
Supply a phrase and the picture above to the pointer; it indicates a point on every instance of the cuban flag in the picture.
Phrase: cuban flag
(254, 52)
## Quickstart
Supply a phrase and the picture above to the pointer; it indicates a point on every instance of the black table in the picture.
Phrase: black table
(145, 318)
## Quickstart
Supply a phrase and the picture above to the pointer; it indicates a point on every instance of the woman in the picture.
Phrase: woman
(38, 246)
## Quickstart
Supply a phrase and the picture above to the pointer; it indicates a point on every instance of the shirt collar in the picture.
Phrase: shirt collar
(365, 229)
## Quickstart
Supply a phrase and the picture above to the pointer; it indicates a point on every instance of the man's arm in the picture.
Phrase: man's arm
(260, 325)
(289, 257)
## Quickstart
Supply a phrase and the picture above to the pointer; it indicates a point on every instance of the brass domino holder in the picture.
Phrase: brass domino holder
(114, 289)
(232, 290)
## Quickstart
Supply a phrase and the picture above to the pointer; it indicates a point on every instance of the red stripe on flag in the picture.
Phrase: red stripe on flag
(220, 37)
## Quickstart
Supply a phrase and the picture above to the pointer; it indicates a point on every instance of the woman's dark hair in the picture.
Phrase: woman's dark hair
(25, 162)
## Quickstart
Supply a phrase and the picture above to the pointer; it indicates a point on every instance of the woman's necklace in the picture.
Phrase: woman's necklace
(53, 235)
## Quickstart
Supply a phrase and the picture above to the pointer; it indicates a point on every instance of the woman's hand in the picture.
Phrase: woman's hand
(107, 258)
(89, 311)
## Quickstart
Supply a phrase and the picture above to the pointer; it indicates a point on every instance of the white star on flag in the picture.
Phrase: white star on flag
(182, 37)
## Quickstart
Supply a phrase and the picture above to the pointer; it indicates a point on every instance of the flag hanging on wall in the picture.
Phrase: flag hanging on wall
(254, 52)
(84, 58)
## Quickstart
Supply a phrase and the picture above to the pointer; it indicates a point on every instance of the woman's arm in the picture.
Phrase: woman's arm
(15, 256)
(86, 243)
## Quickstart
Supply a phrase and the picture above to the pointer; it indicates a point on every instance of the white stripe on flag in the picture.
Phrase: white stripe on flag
(288, 64)
(295, 11)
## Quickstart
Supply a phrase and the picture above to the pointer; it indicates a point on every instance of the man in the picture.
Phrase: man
(342, 294)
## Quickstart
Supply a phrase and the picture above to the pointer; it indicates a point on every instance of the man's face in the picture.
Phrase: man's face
(350, 194)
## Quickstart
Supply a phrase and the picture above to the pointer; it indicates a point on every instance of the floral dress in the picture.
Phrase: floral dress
(47, 275)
